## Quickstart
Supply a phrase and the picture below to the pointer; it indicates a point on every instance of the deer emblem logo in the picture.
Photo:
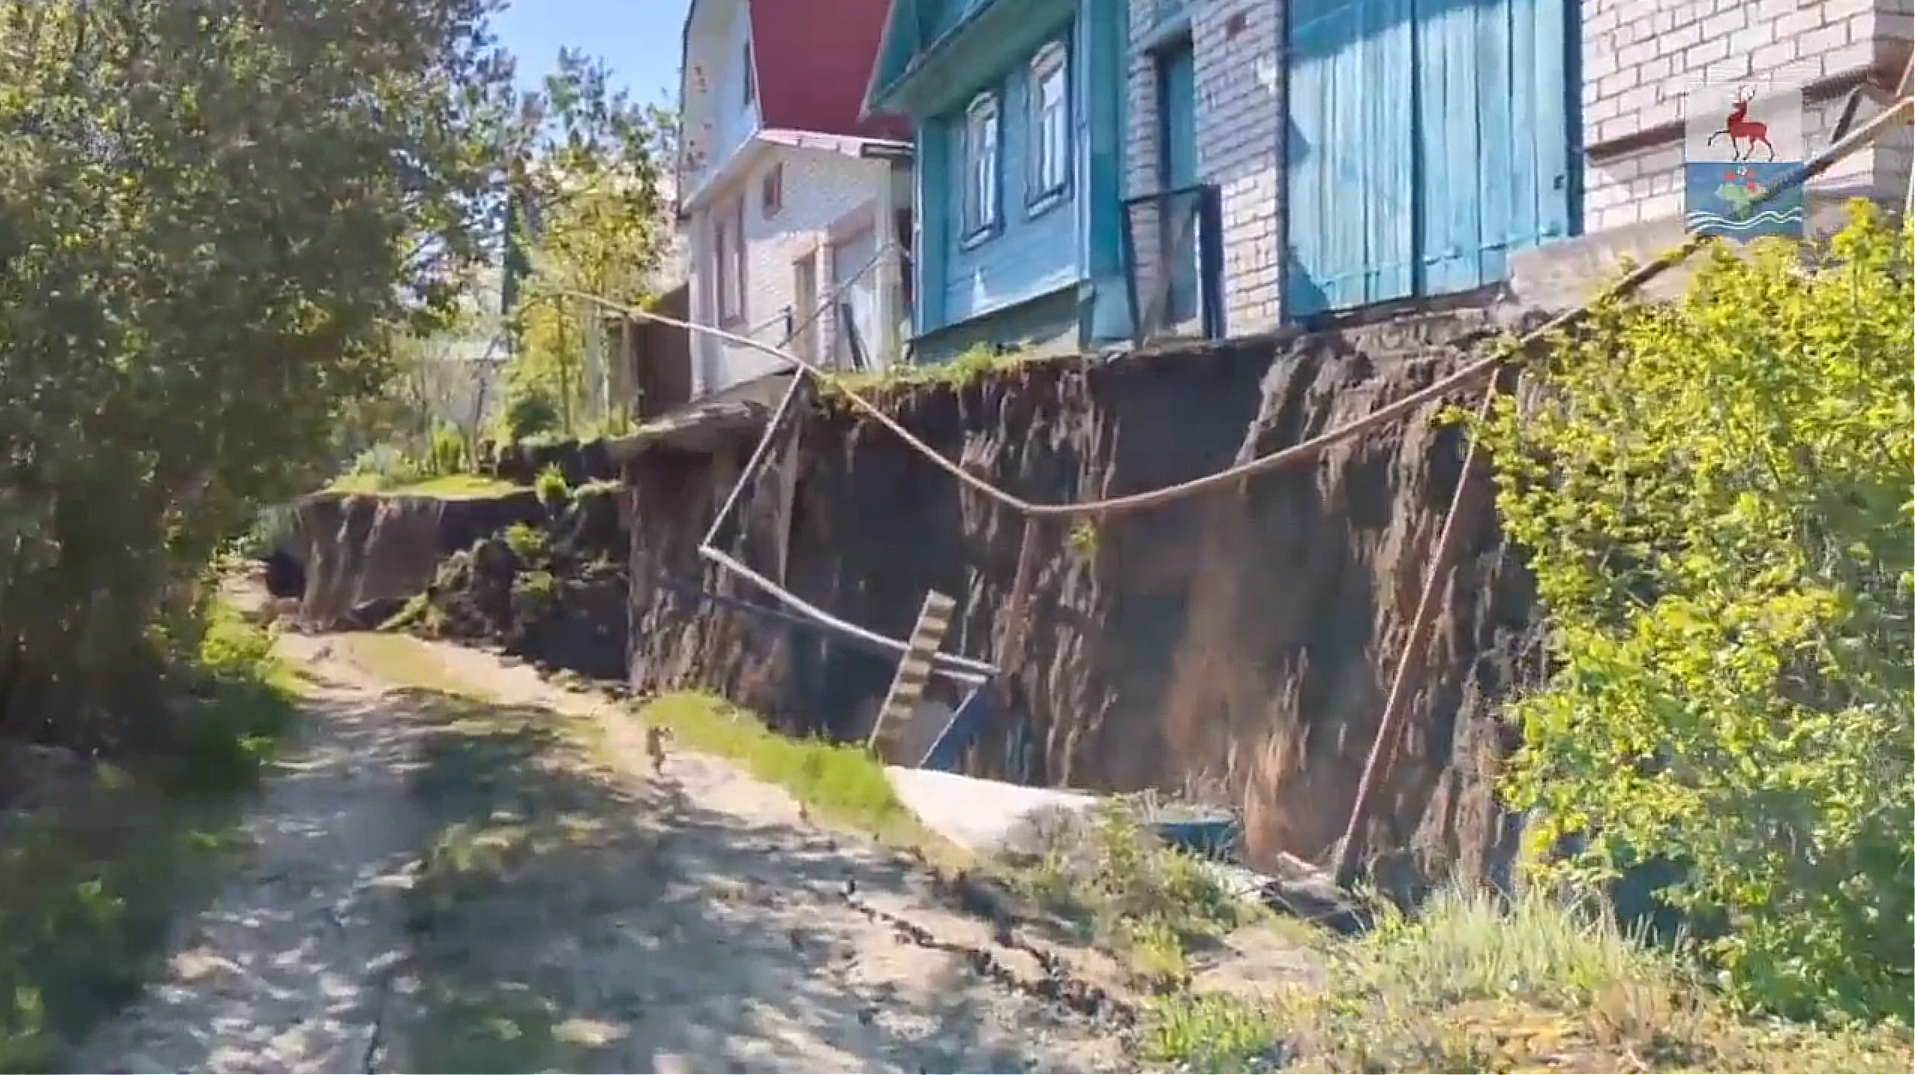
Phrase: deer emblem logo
(1740, 129)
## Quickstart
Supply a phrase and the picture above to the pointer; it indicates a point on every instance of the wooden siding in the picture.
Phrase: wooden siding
(1430, 139)
(1033, 252)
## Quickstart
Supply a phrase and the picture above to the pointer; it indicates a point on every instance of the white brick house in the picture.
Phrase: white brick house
(789, 204)
(1625, 70)
(1641, 56)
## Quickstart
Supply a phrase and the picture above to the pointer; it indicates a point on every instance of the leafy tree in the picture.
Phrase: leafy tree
(211, 216)
(1715, 497)
(597, 225)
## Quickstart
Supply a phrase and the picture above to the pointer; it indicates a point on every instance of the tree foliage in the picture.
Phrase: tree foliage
(590, 196)
(1716, 499)
(211, 217)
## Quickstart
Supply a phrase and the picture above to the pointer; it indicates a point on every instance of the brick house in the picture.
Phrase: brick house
(1444, 146)
(789, 198)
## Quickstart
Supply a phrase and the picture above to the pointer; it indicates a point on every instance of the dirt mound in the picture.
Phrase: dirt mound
(581, 461)
(555, 595)
(367, 553)
(1243, 640)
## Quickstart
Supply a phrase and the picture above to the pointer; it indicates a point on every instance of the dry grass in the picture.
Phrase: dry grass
(1474, 983)
(1471, 983)
(445, 487)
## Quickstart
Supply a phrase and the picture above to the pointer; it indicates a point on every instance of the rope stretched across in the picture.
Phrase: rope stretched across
(1309, 449)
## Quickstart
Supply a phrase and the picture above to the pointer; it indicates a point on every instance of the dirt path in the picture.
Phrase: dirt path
(444, 884)
(290, 969)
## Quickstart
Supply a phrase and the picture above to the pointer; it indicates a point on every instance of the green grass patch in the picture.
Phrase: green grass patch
(1474, 983)
(95, 870)
(839, 783)
(444, 487)
(966, 369)
(1104, 879)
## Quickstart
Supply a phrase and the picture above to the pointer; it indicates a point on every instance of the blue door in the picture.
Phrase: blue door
(1177, 147)
(1429, 140)
(1349, 155)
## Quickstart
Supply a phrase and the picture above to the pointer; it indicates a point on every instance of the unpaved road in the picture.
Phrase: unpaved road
(433, 894)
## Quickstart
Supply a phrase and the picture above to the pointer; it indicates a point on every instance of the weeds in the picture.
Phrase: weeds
(1083, 539)
(551, 488)
(965, 369)
(528, 543)
(92, 878)
(1476, 983)
(840, 783)
(446, 487)
(1105, 879)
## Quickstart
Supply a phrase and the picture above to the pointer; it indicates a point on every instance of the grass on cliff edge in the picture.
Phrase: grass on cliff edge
(1474, 984)
(94, 871)
(444, 487)
(964, 369)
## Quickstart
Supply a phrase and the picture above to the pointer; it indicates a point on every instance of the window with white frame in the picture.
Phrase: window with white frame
(1050, 154)
(980, 165)
(728, 235)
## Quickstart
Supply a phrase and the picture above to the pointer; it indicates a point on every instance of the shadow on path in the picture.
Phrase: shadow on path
(567, 919)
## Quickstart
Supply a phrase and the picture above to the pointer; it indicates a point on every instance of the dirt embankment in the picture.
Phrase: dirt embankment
(366, 553)
(544, 581)
(1244, 639)
(555, 596)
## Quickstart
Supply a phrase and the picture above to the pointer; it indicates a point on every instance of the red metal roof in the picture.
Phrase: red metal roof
(814, 60)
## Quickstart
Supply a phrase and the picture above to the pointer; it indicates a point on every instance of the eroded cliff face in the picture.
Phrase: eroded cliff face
(365, 554)
(1241, 640)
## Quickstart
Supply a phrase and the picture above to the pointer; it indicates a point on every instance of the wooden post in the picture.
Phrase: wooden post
(914, 672)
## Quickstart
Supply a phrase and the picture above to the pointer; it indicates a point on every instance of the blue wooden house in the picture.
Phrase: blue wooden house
(1017, 111)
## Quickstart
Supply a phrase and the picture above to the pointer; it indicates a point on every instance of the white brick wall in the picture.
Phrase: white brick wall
(1641, 56)
(1236, 46)
(823, 193)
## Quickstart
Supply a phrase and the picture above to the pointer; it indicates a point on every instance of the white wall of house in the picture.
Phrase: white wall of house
(829, 202)
(720, 108)
(1641, 56)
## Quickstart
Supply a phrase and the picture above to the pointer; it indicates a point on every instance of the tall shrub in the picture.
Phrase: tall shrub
(1715, 496)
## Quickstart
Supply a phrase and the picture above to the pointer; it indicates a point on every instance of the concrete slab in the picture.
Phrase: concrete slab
(1561, 275)
(978, 815)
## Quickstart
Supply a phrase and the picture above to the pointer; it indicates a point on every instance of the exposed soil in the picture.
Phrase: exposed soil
(690, 920)
(1242, 641)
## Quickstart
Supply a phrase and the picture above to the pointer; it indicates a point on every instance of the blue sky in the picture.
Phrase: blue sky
(638, 40)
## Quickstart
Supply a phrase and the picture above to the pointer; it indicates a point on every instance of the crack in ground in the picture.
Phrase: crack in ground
(1058, 986)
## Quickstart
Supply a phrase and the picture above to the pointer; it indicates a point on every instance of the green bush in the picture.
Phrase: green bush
(1715, 498)
(90, 881)
(529, 412)
(551, 488)
(447, 451)
(527, 542)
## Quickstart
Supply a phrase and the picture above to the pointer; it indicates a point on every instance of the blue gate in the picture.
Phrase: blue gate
(1429, 140)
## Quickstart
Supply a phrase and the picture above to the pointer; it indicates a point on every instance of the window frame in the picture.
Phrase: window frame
(1044, 191)
(981, 211)
(750, 76)
(729, 236)
(771, 190)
